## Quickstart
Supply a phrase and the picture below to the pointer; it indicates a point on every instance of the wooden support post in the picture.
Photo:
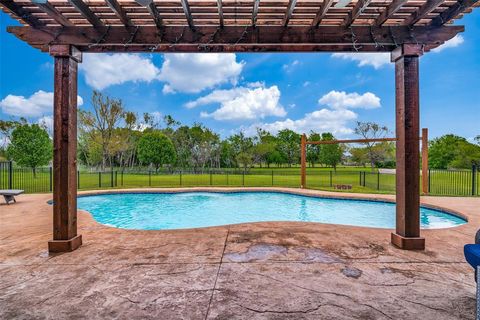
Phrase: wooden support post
(303, 162)
(425, 161)
(407, 235)
(65, 237)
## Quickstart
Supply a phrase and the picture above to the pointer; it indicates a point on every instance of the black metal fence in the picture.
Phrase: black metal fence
(440, 182)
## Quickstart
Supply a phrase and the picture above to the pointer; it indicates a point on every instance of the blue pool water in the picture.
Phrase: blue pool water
(155, 211)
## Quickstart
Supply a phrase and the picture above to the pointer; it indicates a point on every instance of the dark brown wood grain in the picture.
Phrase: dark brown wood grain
(407, 150)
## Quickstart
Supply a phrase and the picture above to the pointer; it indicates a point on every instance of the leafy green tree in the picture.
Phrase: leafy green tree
(289, 145)
(371, 130)
(30, 146)
(358, 156)
(313, 150)
(157, 149)
(330, 154)
(443, 150)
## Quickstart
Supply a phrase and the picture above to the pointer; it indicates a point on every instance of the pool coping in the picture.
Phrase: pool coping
(301, 192)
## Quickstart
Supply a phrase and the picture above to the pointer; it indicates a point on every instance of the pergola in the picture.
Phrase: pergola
(66, 28)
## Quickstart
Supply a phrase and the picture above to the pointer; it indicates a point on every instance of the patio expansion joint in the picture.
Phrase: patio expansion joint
(218, 272)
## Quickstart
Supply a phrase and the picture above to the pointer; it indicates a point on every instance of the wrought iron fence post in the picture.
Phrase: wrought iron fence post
(121, 178)
(50, 180)
(378, 180)
(474, 174)
(99, 179)
(111, 178)
(10, 175)
(360, 178)
(149, 178)
(227, 179)
(331, 178)
(364, 178)
(116, 178)
(429, 180)
(211, 181)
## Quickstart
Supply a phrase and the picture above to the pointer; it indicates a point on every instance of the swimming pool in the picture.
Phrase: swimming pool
(157, 211)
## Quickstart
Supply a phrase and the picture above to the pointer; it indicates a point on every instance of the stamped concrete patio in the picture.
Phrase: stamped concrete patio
(247, 271)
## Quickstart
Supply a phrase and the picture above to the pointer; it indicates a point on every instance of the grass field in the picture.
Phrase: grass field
(363, 180)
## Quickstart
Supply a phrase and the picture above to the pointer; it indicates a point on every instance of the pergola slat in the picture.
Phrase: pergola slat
(152, 9)
(288, 14)
(86, 12)
(256, 5)
(356, 11)
(220, 13)
(188, 13)
(21, 13)
(53, 13)
(390, 11)
(322, 12)
(118, 10)
(452, 12)
(424, 10)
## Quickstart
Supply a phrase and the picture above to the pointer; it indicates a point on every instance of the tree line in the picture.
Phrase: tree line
(111, 136)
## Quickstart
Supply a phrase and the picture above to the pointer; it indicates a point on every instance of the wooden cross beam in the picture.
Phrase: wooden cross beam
(21, 13)
(356, 12)
(86, 12)
(220, 13)
(152, 9)
(121, 14)
(322, 12)
(235, 38)
(390, 11)
(256, 5)
(424, 10)
(288, 14)
(452, 12)
(188, 14)
(53, 13)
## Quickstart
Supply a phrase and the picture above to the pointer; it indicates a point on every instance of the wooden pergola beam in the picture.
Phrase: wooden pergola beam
(351, 141)
(452, 12)
(407, 113)
(119, 12)
(231, 38)
(20, 12)
(53, 13)
(256, 5)
(86, 12)
(389, 11)
(188, 13)
(356, 11)
(288, 14)
(322, 12)
(152, 9)
(220, 13)
(424, 10)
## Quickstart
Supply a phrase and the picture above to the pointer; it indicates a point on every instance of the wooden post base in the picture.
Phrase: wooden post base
(65, 245)
(410, 243)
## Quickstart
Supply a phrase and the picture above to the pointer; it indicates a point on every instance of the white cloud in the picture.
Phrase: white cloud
(242, 103)
(342, 100)
(104, 70)
(323, 120)
(38, 104)
(291, 66)
(192, 73)
(452, 43)
(376, 60)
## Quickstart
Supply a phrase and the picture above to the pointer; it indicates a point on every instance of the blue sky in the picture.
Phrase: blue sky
(231, 92)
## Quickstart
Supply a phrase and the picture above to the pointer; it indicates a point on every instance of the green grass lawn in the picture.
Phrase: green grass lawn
(363, 180)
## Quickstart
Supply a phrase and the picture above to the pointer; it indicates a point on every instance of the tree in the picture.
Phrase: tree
(452, 151)
(371, 130)
(289, 145)
(100, 124)
(313, 150)
(157, 149)
(30, 146)
(330, 154)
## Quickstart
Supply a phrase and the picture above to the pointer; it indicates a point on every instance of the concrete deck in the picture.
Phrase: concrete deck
(247, 271)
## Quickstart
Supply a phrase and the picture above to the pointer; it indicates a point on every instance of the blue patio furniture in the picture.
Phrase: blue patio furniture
(472, 255)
